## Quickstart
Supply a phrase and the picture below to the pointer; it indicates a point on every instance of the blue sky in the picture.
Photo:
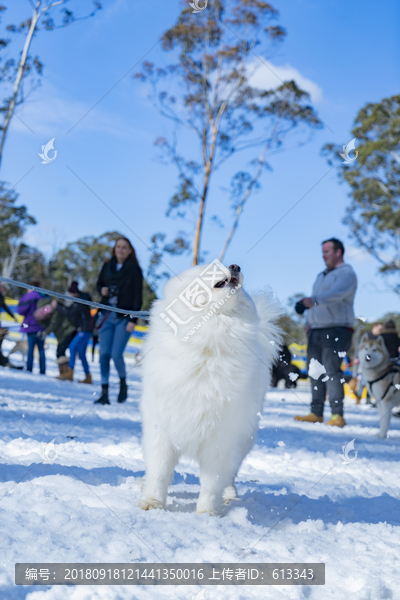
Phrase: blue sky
(344, 54)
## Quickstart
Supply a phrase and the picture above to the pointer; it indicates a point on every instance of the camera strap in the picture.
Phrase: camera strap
(103, 320)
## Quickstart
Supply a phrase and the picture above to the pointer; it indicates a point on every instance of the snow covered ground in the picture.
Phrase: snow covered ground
(298, 501)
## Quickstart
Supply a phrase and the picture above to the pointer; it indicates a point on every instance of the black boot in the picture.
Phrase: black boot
(123, 391)
(104, 395)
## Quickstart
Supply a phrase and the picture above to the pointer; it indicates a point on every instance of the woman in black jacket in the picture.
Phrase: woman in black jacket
(120, 284)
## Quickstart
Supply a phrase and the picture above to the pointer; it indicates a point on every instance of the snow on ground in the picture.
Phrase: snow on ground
(299, 502)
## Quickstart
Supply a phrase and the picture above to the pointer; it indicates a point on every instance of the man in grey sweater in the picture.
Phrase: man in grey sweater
(329, 326)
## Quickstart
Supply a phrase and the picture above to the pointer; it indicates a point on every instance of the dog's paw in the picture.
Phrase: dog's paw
(229, 494)
(210, 511)
(381, 435)
(149, 503)
(229, 500)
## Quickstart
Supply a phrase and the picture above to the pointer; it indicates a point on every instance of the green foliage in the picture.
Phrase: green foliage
(292, 324)
(373, 215)
(31, 264)
(82, 260)
(13, 220)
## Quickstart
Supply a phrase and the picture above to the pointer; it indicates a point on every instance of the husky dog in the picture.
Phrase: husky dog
(382, 376)
(206, 368)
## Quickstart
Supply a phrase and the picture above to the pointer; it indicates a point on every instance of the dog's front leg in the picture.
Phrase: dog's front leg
(385, 411)
(211, 489)
(160, 460)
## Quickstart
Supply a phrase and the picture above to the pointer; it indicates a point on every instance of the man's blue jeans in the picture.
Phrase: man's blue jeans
(33, 341)
(78, 346)
(113, 338)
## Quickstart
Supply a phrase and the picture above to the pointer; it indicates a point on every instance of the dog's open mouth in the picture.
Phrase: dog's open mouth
(225, 282)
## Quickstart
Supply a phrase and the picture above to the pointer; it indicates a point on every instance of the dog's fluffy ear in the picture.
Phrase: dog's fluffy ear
(364, 339)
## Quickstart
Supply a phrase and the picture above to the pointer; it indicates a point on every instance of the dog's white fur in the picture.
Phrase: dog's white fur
(375, 361)
(201, 396)
(22, 347)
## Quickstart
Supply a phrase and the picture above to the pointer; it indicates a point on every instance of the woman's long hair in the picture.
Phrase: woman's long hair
(132, 254)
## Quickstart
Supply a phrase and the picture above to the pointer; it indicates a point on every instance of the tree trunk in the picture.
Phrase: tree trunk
(20, 74)
(196, 246)
(9, 263)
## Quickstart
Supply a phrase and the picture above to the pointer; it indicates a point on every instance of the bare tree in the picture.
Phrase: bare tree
(41, 19)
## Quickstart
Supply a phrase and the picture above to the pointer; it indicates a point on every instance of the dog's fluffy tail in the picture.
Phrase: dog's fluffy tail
(269, 309)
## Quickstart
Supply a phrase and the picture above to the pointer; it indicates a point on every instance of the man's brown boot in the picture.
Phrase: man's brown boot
(310, 418)
(336, 420)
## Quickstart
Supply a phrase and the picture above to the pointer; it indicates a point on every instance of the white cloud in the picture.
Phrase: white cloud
(360, 255)
(268, 76)
(50, 114)
(357, 255)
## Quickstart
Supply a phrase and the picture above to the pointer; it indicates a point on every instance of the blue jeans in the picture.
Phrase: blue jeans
(32, 342)
(113, 338)
(78, 346)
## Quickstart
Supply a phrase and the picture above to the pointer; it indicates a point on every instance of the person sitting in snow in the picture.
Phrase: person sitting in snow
(329, 326)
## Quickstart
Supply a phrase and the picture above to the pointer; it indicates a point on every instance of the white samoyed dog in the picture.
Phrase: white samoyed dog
(206, 368)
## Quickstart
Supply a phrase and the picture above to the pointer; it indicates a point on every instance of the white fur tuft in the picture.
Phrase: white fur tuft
(269, 309)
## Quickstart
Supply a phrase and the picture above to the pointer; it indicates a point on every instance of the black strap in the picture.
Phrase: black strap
(394, 369)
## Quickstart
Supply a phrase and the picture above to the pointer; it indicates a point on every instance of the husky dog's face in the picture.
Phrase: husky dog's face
(197, 294)
(372, 353)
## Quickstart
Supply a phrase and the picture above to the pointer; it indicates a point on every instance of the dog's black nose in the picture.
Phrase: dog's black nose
(234, 268)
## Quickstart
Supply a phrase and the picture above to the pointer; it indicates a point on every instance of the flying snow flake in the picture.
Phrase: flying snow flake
(293, 376)
(315, 387)
(272, 342)
(363, 319)
(259, 415)
(315, 370)
(342, 354)
(397, 386)
(343, 380)
(325, 378)
(336, 339)
(281, 444)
